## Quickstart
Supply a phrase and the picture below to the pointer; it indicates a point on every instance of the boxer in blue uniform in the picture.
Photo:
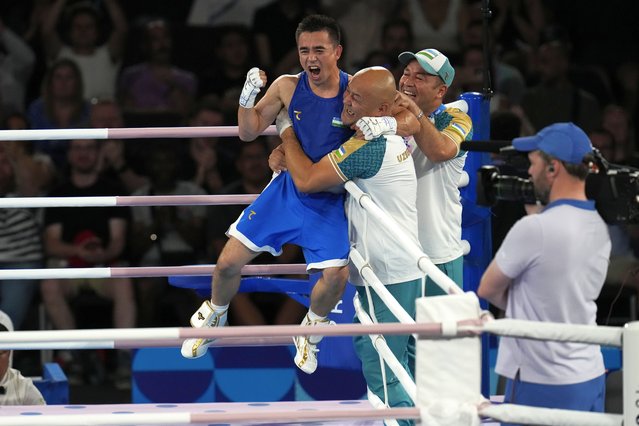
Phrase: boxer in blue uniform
(281, 214)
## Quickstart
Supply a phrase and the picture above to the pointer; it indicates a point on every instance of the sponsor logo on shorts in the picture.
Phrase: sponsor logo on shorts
(251, 214)
(297, 115)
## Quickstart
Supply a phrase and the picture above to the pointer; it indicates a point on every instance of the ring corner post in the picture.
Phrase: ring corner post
(476, 224)
(630, 356)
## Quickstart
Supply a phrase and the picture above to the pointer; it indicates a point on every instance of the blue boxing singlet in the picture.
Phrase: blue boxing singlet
(316, 120)
(282, 214)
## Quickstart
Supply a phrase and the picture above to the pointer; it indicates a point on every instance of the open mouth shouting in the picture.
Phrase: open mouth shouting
(314, 72)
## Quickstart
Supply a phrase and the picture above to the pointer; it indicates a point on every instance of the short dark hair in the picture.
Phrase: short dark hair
(315, 23)
(580, 170)
(82, 8)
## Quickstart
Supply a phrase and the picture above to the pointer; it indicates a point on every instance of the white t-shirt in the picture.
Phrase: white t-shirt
(19, 390)
(438, 199)
(558, 261)
(382, 168)
(99, 72)
(444, 38)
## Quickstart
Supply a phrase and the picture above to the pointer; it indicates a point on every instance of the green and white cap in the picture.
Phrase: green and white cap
(433, 62)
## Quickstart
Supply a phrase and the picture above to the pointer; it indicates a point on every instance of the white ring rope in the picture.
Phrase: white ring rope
(141, 335)
(127, 201)
(594, 334)
(126, 133)
(261, 335)
(527, 329)
(367, 273)
(379, 343)
(502, 413)
(423, 262)
(143, 271)
(151, 343)
(173, 418)
(610, 336)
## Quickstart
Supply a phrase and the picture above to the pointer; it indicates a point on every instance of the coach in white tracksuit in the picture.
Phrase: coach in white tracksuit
(383, 167)
(551, 267)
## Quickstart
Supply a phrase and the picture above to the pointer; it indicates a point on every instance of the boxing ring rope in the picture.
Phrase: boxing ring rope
(423, 262)
(143, 271)
(579, 333)
(180, 418)
(141, 335)
(591, 334)
(367, 273)
(126, 133)
(462, 329)
(127, 201)
(161, 343)
(611, 336)
(379, 343)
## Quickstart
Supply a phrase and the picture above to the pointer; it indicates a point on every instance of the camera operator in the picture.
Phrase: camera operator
(551, 267)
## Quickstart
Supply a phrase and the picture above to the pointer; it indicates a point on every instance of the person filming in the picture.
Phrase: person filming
(551, 267)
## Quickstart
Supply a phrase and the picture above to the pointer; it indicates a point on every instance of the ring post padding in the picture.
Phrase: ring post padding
(464, 179)
(448, 370)
(630, 356)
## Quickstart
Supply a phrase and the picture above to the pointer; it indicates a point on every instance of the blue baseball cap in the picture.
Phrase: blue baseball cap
(564, 141)
(433, 62)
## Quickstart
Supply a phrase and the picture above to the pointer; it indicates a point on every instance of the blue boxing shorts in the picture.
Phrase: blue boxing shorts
(281, 214)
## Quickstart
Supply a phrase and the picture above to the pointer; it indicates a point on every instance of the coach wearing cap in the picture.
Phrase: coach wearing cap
(551, 267)
(439, 162)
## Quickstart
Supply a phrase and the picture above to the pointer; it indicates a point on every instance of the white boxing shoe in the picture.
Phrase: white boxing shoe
(306, 346)
(205, 316)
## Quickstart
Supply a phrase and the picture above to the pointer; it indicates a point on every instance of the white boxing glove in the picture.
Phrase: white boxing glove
(251, 88)
(374, 127)
(283, 121)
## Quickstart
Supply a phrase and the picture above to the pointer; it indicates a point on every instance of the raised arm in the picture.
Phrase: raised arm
(407, 122)
(308, 176)
(50, 38)
(120, 28)
(403, 123)
(18, 51)
(253, 120)
(437, 146)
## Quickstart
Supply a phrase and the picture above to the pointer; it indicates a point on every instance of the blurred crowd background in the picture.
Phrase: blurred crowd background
(115, 63)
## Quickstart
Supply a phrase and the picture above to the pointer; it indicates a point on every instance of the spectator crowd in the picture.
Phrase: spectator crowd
(113, 63)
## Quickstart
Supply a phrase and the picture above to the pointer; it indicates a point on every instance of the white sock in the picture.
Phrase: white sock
(218, 308)
(314, 317)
